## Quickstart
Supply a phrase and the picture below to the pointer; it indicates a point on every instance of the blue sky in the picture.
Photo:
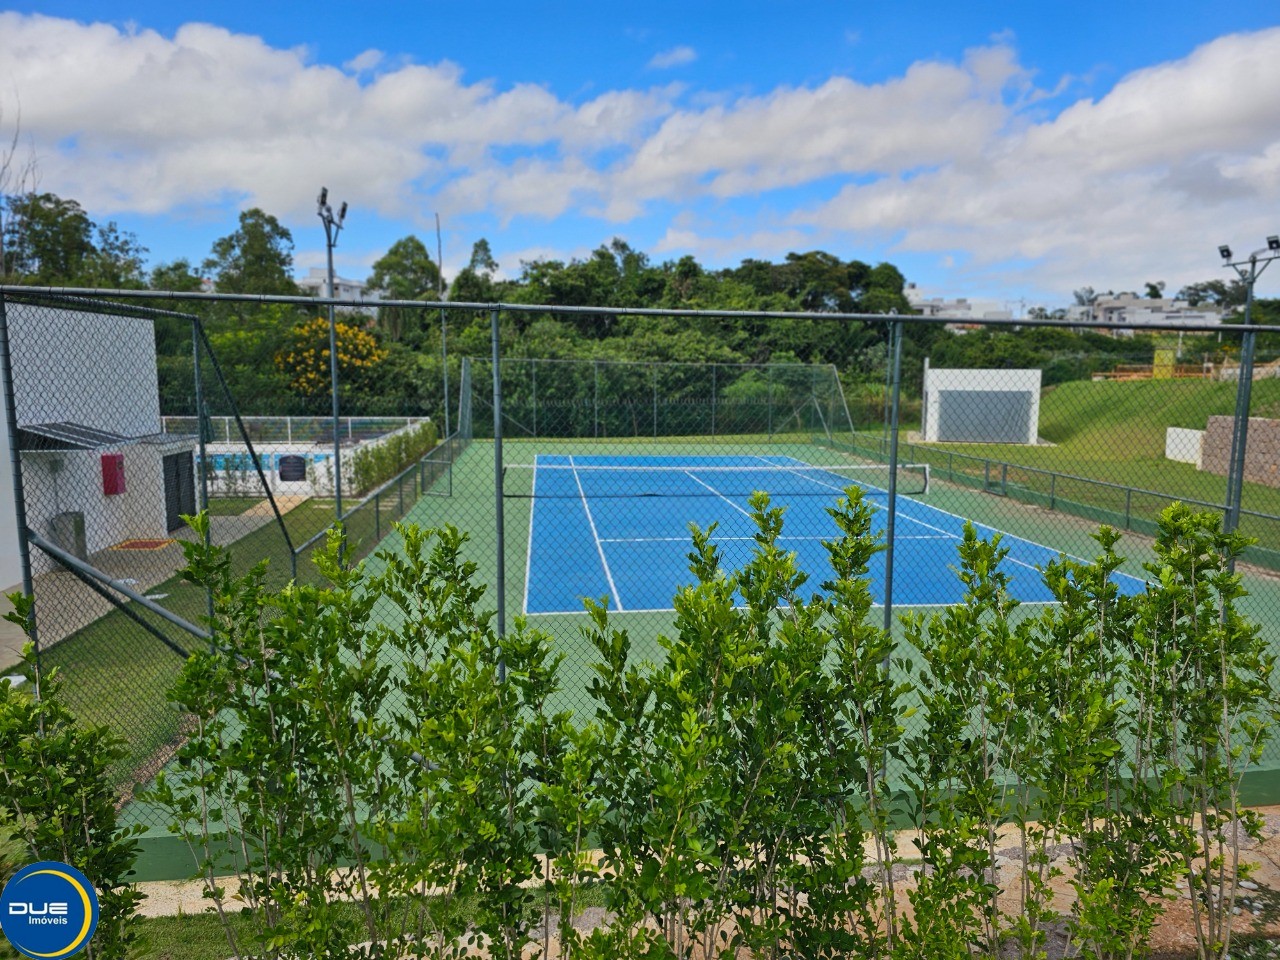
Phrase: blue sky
(994, 150)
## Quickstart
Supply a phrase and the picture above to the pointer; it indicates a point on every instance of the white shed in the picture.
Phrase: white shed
(96, 467)
(980, 406)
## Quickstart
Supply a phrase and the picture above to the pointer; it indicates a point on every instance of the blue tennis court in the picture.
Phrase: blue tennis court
(618, 527)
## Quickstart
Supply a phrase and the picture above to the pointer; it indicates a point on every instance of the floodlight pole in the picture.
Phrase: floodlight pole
(332, 227)
(1248, 270)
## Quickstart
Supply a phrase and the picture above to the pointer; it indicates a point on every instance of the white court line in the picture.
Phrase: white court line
(528, 553)
(1003, 534)
(608, 574)
(726, 539)
(874, 606)
(718, 494)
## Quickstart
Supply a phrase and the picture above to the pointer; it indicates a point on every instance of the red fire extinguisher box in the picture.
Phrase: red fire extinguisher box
(112, 473)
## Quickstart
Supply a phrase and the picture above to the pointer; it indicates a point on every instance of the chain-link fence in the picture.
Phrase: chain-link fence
(580, 478)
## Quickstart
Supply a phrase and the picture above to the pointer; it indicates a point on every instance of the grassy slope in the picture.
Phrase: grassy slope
(1115, 432)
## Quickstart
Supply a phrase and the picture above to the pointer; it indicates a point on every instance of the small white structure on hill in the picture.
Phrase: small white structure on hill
(980, 406)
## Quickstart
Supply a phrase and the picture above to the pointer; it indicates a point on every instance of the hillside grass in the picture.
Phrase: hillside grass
(1114, 432)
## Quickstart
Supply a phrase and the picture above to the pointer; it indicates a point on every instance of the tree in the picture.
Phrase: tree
(178, 277)
(1085, 296)
(405, 272)
(1155, 291)
(257, 258)
(474, 283)
(48, 239)
(52, 241)
(305, 358)
(482, 258)
(1220, 293)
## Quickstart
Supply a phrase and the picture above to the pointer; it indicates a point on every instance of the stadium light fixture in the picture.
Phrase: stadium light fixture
(1248, 270)
(332, 227)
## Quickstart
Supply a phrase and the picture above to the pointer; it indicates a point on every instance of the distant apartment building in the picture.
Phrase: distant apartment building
(960, 309)
(1114, 312)
(316, 283)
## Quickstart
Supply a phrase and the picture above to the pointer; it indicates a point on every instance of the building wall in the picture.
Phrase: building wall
(71, 481)
(86, 368)
(1262, 455)
(97, 370)
(938, 380)
(10, 565)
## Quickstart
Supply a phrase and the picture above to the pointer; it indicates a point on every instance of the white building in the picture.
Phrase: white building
(316, 283)
(960, 309)
(96, 467)
(1127, 309)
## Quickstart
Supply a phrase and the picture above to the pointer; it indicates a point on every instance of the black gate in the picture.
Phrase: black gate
(179, 489)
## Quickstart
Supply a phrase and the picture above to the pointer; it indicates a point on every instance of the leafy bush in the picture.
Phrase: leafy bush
(56, 799)
(738, 796)
(376, 463)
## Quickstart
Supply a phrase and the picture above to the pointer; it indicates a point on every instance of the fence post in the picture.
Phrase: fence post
(377, 516)
(444, 365)
(595, 401)
(653, 369)
(533, 363)
(1053, 490)
(499, 524)
(15, 465)
(204, 456)
(713, 399)
(768, 379)
(1128, 505)
(891, 520)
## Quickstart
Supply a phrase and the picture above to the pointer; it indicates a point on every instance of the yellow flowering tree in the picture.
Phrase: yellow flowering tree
(305, 357)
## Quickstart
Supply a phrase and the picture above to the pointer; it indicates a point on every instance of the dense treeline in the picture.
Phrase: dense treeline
(389, 359)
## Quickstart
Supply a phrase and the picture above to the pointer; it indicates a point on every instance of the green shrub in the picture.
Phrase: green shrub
(734, 796)
(373, 464)
(56, 798)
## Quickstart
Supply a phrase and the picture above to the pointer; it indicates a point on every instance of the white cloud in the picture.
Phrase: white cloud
(1141, 184)
(364, 62)
(675, 57)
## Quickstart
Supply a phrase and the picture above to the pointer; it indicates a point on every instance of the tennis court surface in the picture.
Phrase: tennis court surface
(618, 527)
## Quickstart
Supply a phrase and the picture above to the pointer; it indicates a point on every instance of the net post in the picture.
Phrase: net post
(892, 505)
(499, 524)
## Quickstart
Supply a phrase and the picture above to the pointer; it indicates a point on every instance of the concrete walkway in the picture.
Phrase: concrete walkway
(64, 604)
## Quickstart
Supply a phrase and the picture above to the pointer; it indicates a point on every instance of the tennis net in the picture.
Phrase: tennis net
(591, 481)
